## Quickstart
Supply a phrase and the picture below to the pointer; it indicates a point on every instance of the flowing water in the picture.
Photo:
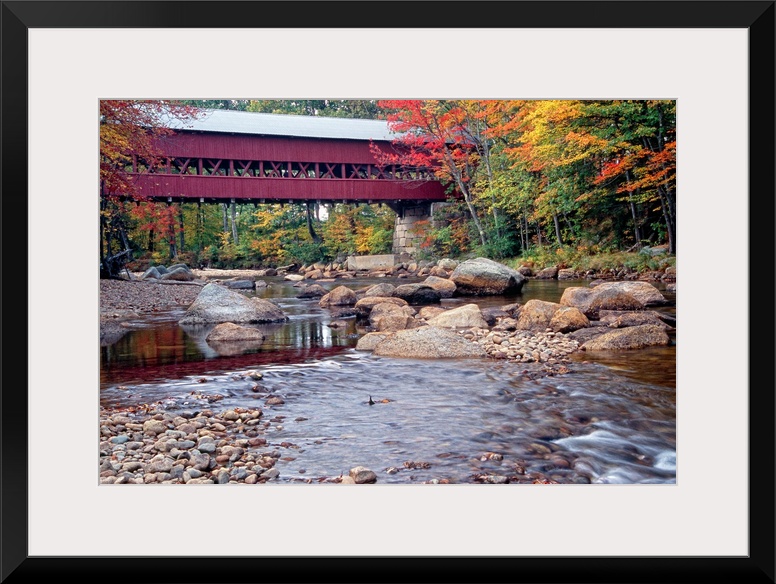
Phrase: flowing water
(612, 419)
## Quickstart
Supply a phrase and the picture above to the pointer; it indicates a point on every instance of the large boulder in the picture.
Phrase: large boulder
(447, 264)
(382, 290)
(339, 296)
(549, 273)
(428, 342)
(365, 305)
(466, 316)
(536, 315)
(370, 340)
(417, 294)
(634, 337)
(567, 319)
(216, 303)
(644, 292)
(240, 284)
(151, 273)
(593, 300)
(619, 319)
(481, 276)
(312, 291)
(387, 316)
(179, 274)
(444, 286)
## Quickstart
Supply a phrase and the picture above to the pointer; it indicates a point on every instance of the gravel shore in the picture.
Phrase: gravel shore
(128, 297)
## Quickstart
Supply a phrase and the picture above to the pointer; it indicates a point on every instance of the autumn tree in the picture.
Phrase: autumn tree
(432, 137)
(129, 134)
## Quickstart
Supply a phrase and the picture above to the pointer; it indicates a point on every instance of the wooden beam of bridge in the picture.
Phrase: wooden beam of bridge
(181, 188)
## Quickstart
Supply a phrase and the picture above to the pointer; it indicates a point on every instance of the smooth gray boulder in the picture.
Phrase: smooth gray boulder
(428, 342)
(444, 286)
(151, 273)
(417, 293)
(339, 296)
(591, 301)
(481, 276)
(466, 316)
(178, 274)
(216, 303)
(644, 292)
(634, 337)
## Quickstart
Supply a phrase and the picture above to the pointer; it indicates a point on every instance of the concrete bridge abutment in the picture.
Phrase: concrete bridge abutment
(413, 220)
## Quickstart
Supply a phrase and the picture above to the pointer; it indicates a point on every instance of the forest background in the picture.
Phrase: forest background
(587, 185)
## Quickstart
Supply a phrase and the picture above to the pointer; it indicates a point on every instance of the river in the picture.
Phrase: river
(612, 419)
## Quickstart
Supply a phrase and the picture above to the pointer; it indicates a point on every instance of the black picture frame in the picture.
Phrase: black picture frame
(15, 563)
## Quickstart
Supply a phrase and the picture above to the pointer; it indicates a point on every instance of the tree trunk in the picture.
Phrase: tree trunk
(151, 237)
(311, 230)
(466, 195)
(180, 225)
(636, 229)
(557, 229)
(102, 230)
(234, 223)
(200, 226)
(526, 235)
(670, 228)
(226, 219)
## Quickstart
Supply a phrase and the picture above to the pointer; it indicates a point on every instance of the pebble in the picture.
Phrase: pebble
(144, 448)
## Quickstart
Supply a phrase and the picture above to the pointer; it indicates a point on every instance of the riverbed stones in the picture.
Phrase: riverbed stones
(428, 342)
(634, 337)
(482, 276)
(216, 304)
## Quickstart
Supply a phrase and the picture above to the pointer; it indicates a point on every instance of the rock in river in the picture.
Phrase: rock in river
(428, 342)
(216, 303)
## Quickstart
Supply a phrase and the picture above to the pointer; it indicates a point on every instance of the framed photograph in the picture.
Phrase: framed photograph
(711, 521)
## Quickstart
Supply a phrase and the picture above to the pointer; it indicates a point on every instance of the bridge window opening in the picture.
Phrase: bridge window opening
(243, 168)
(274, 169)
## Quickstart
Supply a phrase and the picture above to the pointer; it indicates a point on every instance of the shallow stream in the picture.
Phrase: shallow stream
(612, 419)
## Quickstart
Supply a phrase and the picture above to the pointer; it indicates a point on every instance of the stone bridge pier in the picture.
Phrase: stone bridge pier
(409, 228)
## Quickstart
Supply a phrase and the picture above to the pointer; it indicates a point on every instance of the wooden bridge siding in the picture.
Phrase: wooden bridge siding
(275, 148)
(194, 187)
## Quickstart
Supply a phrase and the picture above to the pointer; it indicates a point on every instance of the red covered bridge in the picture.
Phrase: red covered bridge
(243, 157)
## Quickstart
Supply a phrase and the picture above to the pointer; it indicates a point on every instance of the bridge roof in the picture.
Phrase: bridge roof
(239, 122)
